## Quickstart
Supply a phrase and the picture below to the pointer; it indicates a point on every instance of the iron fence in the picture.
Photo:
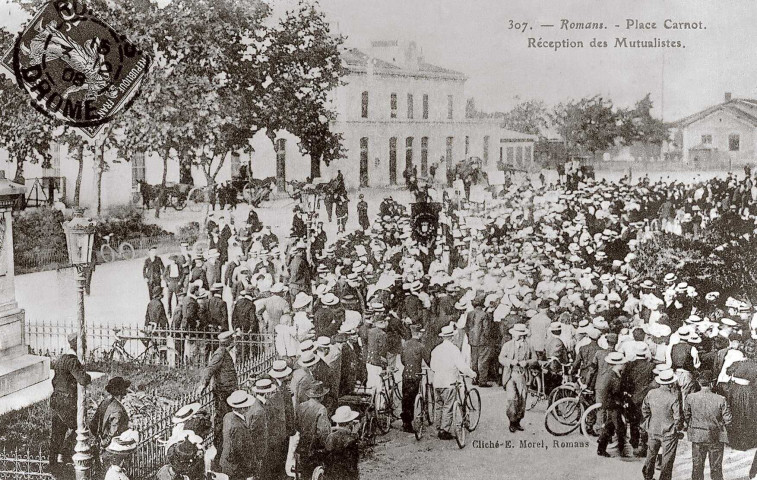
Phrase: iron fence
(23, 465)
(150, 454)
(153, 428)
(129, 343)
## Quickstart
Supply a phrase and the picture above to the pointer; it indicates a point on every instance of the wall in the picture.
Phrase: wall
(720, 125)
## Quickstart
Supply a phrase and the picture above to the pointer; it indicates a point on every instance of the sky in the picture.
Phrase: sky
(472, 36)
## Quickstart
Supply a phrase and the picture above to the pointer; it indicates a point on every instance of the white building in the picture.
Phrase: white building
(394, 111)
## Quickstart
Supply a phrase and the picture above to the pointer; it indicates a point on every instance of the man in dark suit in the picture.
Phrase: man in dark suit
(611, 396)
(152, 271)
(235, 459)
(707, 415)
(219, 312)
(479, 327)
(312, 421)
(68, 372)
(174, 278)
(221, 375)
(224, 234)
(557, 354)
(413, 354)
(299, 271)
(258, 423)
(662, 420)
(636, 380)
(329, 316)
(156, 313)
(282, 415)
(243, 319)
(582, 365)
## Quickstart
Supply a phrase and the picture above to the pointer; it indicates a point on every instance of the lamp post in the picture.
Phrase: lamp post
(80, 233)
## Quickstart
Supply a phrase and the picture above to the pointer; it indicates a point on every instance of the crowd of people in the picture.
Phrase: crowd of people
(541, 277)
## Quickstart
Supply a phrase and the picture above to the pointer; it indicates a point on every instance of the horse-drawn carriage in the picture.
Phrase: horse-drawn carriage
(176, 194)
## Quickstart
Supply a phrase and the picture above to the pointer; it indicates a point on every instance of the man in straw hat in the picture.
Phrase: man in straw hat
(707, 415)
(663, 421)
(516, 357)
(610, 395)
(68, 372)
(447, 364)
(236, 460)
(221, 375)
(281, 419)
(261, 424)
(314, 428)
(636, 379)
(342, 449)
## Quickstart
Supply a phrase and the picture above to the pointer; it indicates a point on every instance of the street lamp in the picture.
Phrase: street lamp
(80, 234)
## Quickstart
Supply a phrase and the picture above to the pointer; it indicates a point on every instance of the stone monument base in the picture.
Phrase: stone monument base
(18, 369)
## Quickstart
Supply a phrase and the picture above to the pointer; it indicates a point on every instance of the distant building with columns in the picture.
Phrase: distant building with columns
(394, 111)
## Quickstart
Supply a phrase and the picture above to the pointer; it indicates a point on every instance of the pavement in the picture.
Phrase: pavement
(533, 453)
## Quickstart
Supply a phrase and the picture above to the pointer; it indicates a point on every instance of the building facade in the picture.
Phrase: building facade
(395, 111)
(726, 132)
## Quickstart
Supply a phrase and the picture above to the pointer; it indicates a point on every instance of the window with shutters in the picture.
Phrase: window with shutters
(425, 106)
(410, 106)
(137, 168)
(393, 105)
(364, 105)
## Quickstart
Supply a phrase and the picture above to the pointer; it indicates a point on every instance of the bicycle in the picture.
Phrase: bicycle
(109, 254)
(363, 401)
(385, 409)
(566, 414)
(537, 387)
(589, 418)
(568, 387)
(466, 411)
(152, 353)
(424, 404)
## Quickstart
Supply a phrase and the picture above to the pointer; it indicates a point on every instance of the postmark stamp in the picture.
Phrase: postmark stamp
(75, 67)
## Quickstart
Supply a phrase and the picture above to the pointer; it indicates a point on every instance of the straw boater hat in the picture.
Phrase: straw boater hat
(329, 299)
(240, 399)
(670, 278)
(278, 287)
(125, 443)
(447, 331)
(519, 329)
(555, 327)
(225, 337)
(666, 377)
(308, 359)
(323, 342)
(185, 413)
(302, 300)
(344, 414)
(307, 346)
(264, 385)
(280, 369)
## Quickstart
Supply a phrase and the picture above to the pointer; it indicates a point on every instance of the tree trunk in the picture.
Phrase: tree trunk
(77, 189)
(315, 166)
(100, 171)
(19, 177)
(280, 165)
(160, 200)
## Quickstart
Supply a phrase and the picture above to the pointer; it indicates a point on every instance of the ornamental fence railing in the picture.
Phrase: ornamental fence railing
(154, 428)
(130, 343)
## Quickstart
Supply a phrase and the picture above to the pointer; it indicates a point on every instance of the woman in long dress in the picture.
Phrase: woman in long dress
(741, 395)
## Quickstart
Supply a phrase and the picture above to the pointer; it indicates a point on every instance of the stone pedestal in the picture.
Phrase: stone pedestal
(18, 369)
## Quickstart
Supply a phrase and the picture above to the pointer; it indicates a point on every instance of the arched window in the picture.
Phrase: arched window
(424, 156)
(393, 160)
(393, 105)
(409, 153)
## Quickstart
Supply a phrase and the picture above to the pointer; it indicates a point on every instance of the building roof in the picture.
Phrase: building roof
(356, 61)
(743, 108)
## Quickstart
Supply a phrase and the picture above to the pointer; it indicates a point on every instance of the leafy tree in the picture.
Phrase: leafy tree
(531, 117)
(24, 132)
(638, 125)
(590, 124)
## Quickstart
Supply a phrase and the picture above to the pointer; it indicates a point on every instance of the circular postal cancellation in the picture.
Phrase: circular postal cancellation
(75, 67)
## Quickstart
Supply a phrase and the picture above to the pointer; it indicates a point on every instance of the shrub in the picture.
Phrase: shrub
(126, 222)
(189, 232)
(37, 231)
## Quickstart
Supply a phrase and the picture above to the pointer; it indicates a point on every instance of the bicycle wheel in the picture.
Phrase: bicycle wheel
(563, 416)
(430, 405)
(419, 422)
(127, 251)
(589, 420)
(384, 415)
(473, 408)
(107, 253)
(458, 423)
(319, 473)
(562, 391)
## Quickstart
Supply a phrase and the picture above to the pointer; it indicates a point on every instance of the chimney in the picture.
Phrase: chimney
(727, 96)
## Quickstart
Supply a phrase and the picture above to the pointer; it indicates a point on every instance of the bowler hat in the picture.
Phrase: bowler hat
(117, 386)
